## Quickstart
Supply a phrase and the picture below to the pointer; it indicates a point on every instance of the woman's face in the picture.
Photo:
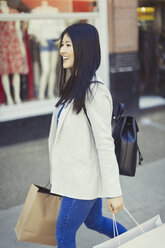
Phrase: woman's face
(67, 53)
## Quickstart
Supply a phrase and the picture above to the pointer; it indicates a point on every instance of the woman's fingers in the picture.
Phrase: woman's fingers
(110, 208)
(115, 204)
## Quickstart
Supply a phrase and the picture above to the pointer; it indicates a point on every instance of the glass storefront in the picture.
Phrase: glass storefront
(151, 23)
(29, 42)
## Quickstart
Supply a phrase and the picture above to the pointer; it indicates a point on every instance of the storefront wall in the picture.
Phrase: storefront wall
(123, 45)
(123, 33)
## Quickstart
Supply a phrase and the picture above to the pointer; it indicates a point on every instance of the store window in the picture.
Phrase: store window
(152, 49)
(29, 49)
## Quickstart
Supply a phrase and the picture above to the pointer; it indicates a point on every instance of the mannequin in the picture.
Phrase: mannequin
(46, 33)
(12, 52)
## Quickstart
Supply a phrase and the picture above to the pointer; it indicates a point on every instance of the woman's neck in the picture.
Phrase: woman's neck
(4, 7)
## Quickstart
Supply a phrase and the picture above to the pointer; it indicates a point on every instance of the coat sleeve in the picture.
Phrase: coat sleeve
(99, 110)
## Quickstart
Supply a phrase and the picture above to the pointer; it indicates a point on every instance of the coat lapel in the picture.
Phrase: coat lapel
(62, 118)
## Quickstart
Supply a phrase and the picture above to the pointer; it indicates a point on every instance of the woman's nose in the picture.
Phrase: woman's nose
(62, 50)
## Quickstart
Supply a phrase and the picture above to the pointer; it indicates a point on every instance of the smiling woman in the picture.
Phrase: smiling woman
(82, 158)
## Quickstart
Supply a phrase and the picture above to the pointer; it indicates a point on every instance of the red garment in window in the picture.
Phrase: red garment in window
(11, 59)
(2, 94)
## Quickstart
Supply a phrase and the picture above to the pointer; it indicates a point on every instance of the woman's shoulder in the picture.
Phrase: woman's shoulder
(98, 98)
(99, 89)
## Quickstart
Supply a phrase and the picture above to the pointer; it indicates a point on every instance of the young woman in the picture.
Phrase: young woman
(83, 164)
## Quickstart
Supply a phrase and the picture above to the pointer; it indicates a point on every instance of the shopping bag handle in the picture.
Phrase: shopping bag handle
(134, 219)
(115, 228)
(115, 224)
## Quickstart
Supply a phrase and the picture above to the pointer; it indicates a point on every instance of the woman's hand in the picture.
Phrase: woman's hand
(115, 204)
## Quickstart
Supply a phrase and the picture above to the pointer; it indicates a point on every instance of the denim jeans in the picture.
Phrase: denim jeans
(74, 212)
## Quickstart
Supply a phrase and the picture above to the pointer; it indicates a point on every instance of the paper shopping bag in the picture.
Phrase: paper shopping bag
(154, 236)
(37, 221)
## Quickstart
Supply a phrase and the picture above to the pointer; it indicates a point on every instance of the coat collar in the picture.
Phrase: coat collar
(63, 115)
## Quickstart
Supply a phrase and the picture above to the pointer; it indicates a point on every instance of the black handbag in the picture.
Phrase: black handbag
(124, 132)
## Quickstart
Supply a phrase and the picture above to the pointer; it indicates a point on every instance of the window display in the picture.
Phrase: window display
(29, 49)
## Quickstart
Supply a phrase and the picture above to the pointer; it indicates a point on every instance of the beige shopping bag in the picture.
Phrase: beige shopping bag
(37, 221)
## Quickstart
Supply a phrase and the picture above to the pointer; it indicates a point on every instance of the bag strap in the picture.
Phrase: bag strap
(120, 111)
(140, 156)
(134, 220)
(115, 228)
(84, 108)
(85, 111)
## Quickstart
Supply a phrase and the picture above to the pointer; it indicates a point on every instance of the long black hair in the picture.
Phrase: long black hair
(86, 47)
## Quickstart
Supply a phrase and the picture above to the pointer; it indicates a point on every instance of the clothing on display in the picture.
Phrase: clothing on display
(50, 46)
(11, 59)
(30, 78)
(2, 94)
(46, 29)
(46, 33)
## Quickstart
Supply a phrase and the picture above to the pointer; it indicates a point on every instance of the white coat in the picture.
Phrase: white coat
(82, 159)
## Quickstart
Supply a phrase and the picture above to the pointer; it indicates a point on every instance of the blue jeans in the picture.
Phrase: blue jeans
(74, 212)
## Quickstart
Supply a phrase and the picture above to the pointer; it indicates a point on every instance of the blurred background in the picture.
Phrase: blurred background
(132, 35)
